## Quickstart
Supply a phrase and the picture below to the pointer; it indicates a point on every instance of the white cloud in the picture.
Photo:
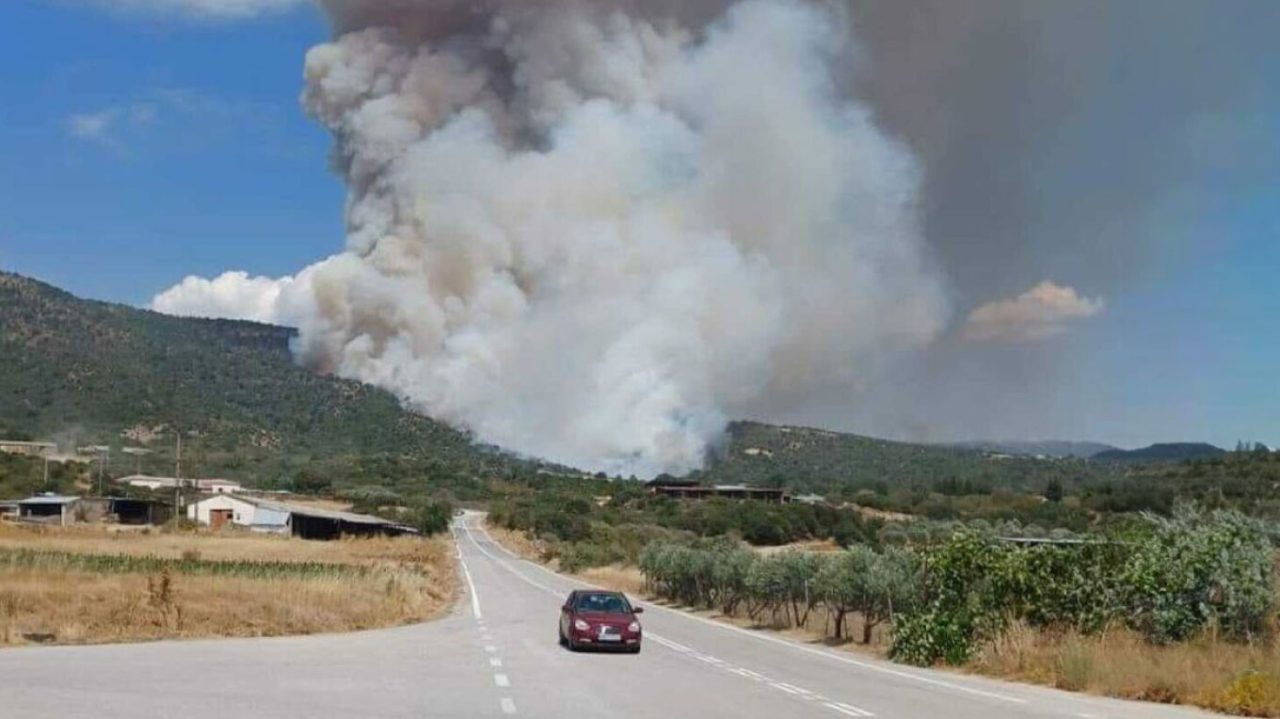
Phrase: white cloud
(232, 295)
(132, 121)
(1037, 314)
(92, 125)
(106, 126)
(202, 9)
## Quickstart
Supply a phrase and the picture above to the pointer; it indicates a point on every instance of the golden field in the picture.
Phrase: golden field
(93, 585)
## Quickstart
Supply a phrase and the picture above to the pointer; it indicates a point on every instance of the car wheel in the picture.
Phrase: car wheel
(560, 638)
(636, 650)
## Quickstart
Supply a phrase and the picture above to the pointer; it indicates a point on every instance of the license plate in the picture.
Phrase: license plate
(608, 634)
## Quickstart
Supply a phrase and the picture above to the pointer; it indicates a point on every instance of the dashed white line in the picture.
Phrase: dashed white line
(501, 680)
(848, 710)
(490, 648)
(495, 662)
(508, 706)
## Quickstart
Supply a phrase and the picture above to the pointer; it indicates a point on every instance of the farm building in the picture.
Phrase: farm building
(687, 489)
(262, 515)
(210, 486)
(133, 511)
(30, 449)
(49, 509)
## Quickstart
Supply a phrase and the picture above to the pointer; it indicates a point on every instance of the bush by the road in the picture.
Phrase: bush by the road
(1170, 581)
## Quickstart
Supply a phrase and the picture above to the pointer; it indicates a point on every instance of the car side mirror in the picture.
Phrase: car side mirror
(637, 610)
(565, 608)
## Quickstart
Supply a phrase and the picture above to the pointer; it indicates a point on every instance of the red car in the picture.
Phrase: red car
(600, 620)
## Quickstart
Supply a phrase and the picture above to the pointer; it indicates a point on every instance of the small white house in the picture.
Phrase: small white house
(223, 509)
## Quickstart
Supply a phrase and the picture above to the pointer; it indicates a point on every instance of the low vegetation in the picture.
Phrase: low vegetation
(90, 585)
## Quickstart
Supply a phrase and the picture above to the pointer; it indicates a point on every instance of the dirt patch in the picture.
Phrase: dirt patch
(820, 546)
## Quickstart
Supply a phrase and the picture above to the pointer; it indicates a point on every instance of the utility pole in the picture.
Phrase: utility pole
(45, 454)
(103, 452)
(177, 481)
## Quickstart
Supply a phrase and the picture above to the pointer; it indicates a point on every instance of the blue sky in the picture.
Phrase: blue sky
(141, 148)
(207, 162)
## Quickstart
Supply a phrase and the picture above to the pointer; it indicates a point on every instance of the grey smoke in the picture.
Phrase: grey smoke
(829, 197)
(594, 231)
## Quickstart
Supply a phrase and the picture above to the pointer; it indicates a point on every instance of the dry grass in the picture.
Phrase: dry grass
(519, 543)
(391, 582)
(1231, 678)
(617, 577)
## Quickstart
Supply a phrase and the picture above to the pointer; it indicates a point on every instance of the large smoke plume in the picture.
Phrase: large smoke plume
(591, 232)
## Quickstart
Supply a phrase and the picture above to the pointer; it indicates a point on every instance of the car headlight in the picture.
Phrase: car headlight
(580, 625)
(633, 627)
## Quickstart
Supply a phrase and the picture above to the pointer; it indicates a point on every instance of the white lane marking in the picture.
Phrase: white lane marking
(471, 587)
(508, 706)
(495, 662)
(490, 648)
(501, 680)
(765, 638)
(848, 710)
(790, 688)
(670, 644)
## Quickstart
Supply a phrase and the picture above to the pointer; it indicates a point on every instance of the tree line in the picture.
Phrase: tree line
(1170, 579)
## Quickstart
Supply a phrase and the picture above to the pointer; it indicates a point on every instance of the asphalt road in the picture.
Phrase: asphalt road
(496, 655)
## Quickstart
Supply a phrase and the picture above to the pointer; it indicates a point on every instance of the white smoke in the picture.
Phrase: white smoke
(589, 233)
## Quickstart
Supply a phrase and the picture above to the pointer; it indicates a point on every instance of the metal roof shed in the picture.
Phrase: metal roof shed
(47, 507)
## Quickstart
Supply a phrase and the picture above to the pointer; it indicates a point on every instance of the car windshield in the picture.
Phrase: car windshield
(603, 603)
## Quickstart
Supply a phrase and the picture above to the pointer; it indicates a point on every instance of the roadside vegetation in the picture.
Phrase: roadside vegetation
(1175, 609)
(90, 585)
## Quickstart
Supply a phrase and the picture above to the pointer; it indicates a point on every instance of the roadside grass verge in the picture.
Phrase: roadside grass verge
(91, 586)
(1233, 678)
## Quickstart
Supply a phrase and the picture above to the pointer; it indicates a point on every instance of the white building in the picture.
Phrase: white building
(212, 486)
(223, 509)
(307, 522)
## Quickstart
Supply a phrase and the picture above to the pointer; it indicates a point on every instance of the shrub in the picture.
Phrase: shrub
(1195, 572)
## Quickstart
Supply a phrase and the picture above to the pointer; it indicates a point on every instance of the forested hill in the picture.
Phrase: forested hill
(806, 459)
(92, 372)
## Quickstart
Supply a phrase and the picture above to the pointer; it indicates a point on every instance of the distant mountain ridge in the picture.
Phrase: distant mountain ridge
(1167, 452)
(1042, 448)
